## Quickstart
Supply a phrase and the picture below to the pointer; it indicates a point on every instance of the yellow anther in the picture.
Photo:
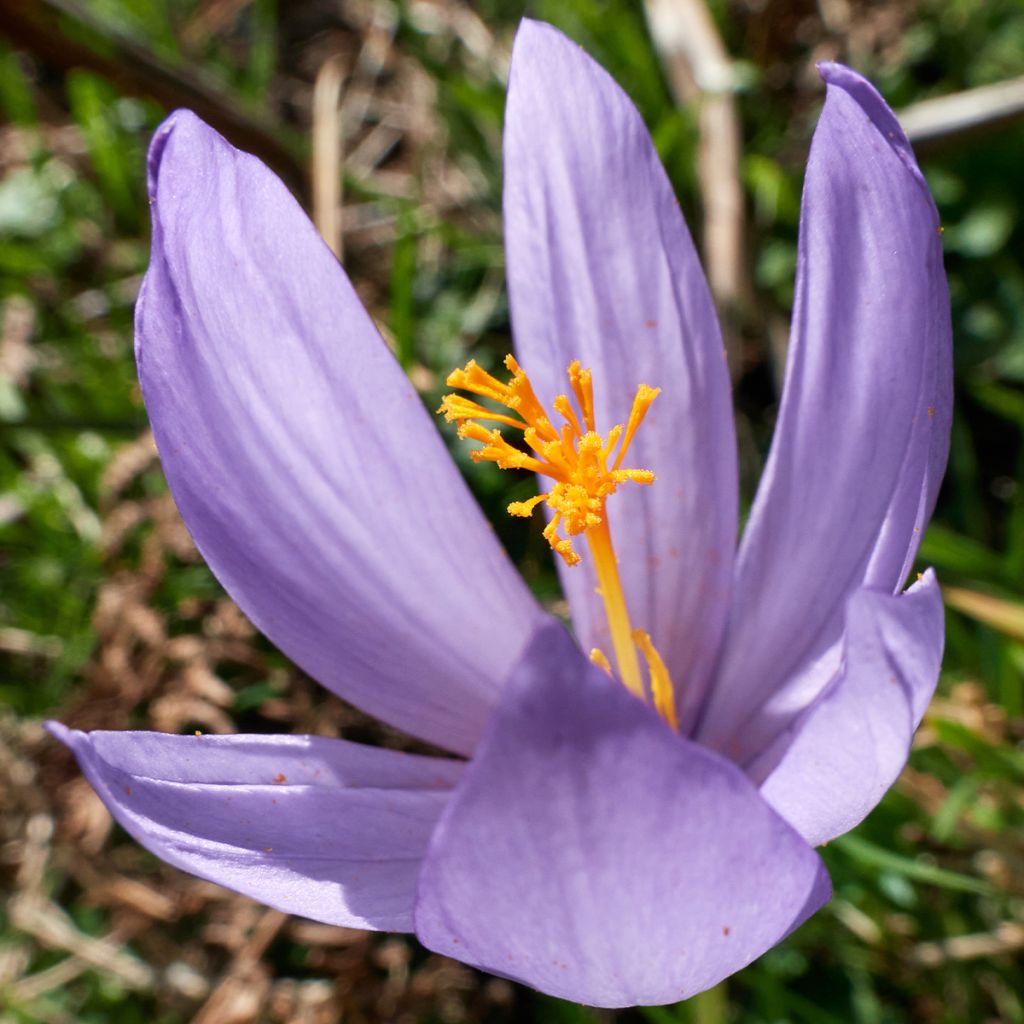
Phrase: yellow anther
(560, 545)
(645, 397)
(564, 409)
(525, 508)
(575, 456)
(638, 476)
(662, 693)
(456, 408)
(582, 386)
(613, 439)
(470, 431)
(524, 401)
(479, 381)
(600, 659)
(577, 459)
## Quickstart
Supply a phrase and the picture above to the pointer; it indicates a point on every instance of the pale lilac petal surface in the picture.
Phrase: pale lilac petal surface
(601, 268)
(321, 828)
(853, 743)
(594, 854)
(863, 429)
(303, 461)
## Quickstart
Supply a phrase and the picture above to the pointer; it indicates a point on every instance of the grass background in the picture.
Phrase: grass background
(109, 618)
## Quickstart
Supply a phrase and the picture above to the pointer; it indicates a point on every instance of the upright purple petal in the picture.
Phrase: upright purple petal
(592, 853)
(863, 431)
(302, 460)
(851, 745)
(321, 828)
(601, 268)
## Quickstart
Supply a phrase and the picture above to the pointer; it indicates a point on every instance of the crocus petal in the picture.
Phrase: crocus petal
(303, 462)
(601, 268)
(863, 430)
(322, 828)
(853, 742)
(592, 853)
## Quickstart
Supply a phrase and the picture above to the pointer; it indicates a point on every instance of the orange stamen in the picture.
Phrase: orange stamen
(586, 469)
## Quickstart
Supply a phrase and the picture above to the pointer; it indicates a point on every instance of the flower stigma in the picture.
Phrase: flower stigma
(585, 470)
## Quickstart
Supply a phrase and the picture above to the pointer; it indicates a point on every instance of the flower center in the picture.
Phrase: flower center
(586, 470)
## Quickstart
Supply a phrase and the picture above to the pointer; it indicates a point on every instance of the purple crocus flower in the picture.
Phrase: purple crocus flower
(606, 846)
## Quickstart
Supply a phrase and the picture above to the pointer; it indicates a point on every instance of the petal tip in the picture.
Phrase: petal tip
(870, 100)
(926, 580)
(71, 738)
(832, 71)
(181, 121)
(183, 148)
(533, 30)
(540, 40)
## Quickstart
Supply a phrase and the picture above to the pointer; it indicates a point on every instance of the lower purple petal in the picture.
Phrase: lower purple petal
(852, 744)
(322, 828)
(594, 854)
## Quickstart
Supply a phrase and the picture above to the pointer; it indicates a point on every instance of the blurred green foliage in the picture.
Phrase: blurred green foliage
(73, 246)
